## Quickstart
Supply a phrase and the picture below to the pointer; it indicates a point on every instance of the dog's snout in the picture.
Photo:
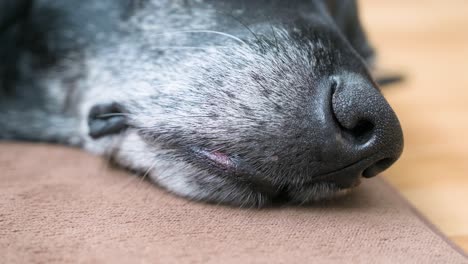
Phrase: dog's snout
(371, 136)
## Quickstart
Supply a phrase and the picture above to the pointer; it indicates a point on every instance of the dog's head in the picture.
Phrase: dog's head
(282, 111)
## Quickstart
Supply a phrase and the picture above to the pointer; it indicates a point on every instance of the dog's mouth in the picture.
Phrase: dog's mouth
(216, 158)
(218, 161)
(225, 164)
(221, 162)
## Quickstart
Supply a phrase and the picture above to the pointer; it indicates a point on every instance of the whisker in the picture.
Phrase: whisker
(274, 35)
(202, 31)
(244, 25)
(147, 172)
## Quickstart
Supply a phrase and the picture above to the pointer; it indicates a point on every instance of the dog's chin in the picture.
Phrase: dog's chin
(222, 165)
(317, 192)
(241, 192)
(214, 177)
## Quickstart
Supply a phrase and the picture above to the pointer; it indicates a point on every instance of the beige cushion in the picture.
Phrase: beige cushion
(59, 204)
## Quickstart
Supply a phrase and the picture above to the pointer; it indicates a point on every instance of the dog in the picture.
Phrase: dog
(239, 102)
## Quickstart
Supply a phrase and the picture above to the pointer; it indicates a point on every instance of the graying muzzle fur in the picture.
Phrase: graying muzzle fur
(240, 102)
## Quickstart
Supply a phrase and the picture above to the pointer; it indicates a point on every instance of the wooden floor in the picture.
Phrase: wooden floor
(427, 40)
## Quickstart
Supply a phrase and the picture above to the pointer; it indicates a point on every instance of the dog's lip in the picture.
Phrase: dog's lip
(346, 177)
(222, 162)
(216, 157)
(330, 174)
(234, 164)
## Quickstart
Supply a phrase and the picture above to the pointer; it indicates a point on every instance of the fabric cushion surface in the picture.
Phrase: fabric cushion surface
(60, 204)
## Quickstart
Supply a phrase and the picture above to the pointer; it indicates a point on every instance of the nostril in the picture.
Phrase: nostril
(378, 167)
(362, 131)
(356, 128)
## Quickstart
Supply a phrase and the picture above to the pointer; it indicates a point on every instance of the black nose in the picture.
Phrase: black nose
(369, 131)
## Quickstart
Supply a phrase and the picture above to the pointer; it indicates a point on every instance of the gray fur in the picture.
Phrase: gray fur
(189, 82)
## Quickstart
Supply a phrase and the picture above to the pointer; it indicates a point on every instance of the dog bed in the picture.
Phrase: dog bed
(63, 205)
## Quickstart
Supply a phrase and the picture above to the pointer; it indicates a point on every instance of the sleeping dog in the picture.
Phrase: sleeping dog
(243, 102)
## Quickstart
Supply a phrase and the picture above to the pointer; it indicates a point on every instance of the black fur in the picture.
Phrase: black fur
(270, 100)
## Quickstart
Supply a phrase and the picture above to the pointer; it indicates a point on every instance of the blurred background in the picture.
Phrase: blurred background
(427, 41)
